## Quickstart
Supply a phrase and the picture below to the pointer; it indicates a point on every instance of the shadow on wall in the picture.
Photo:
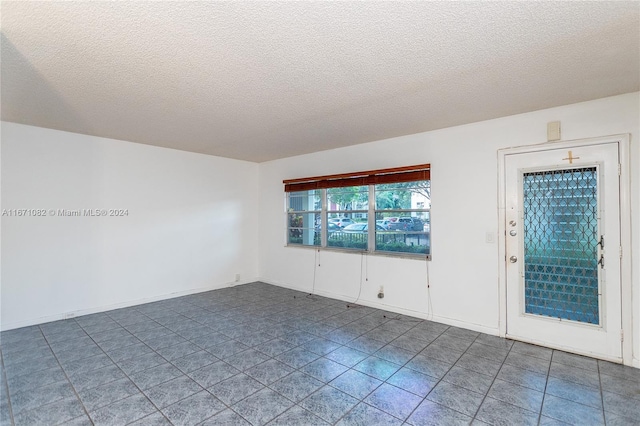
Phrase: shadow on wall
(27, 96)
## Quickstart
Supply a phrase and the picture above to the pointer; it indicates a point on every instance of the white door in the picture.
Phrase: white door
(562, 214)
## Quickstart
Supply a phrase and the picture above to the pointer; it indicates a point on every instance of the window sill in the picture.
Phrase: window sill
(397, 255)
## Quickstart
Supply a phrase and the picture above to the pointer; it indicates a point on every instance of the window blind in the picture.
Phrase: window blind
(369, 177)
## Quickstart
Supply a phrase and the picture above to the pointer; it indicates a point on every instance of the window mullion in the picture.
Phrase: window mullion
(371, 219)
(323, 219)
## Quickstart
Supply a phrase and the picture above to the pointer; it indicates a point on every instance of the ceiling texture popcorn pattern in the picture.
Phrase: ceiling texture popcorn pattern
(265, 80)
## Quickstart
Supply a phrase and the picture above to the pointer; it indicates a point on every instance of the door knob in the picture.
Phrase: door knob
(513, 259)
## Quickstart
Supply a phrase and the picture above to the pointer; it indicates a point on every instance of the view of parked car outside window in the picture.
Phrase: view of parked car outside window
(401, 212)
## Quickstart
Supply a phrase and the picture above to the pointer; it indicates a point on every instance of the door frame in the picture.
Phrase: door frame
(622, 140)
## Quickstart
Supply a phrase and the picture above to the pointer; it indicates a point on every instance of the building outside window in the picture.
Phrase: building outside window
(390, 217)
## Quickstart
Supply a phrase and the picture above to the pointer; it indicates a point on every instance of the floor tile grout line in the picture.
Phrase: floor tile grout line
(128, 378)
(141, 392)
(202, 387)
(407, 362)
(265, 386)
(486, 395)
(544, 393)
(319, 355)
(440, 379)
(6, 385)
(360, 400)
(323, 356)
(299, 370)
(600, 389)
(580, 384)
(604, 416)
(75, 392)
(184, 374)
(348, 368)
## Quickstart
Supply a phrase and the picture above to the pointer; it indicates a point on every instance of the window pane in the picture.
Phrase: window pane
(348, 198)
(403, 232)
(305, 200)
(302, 228)
(403, 218)
(407, 195)
(403, 242)
(353, 235)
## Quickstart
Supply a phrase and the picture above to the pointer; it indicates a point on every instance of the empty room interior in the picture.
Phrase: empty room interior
(319, 213)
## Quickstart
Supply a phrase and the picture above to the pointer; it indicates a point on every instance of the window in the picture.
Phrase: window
(303, 217)
(380, 211)
(400, 210)
(348, 208)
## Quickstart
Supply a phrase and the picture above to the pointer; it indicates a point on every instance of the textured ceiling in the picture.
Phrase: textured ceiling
(266, 80)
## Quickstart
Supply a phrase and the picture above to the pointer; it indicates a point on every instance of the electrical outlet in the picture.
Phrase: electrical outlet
(69, 315)
(381, 292)
(490, 238)
(237, 277)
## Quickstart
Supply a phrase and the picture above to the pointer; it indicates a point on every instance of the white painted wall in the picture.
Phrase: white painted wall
(191, 226)
(464, 270)
(193, 220)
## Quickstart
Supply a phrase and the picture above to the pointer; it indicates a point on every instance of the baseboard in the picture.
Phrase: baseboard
(396, 309)
(125, 304)
(563, 348)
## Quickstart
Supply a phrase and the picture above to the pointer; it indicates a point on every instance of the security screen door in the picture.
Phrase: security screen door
(562, 249)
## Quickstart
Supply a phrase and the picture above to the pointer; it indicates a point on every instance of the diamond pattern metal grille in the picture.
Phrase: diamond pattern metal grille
(561, 244)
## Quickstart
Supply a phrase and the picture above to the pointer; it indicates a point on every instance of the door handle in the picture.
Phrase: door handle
(513, 259)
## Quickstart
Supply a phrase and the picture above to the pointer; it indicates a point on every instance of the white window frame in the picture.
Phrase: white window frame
(371, 220)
